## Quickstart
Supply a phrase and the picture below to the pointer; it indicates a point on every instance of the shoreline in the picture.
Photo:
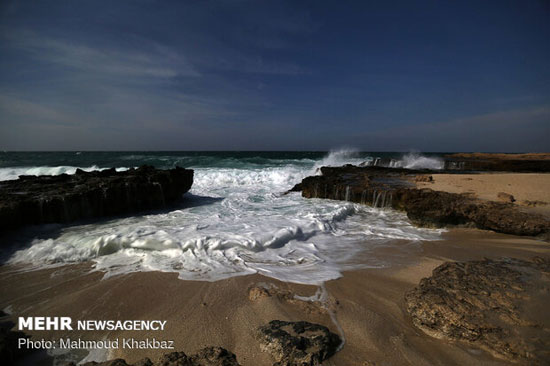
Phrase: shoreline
(395, 315)
(368, 305)
(439, 205)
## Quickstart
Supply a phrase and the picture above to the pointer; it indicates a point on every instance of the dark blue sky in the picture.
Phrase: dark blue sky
(271, 75)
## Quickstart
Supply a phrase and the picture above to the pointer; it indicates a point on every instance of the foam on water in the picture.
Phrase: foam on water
(236, 221)
(15, 172)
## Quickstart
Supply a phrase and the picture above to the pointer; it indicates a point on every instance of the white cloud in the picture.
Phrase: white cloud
(150, 60)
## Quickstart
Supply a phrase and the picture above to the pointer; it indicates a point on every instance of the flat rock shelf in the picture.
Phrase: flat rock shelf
(84, 195)
(488, 304)
(395, 188)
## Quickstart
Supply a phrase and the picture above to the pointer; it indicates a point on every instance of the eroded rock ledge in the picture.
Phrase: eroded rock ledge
(65, 198)
(210, 356)
(395, 188)
(297, 343)
(532, 163)
(488, 304)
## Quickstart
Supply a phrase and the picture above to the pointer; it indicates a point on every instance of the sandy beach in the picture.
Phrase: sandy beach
(274, 183)
(382, 306)
(367, 305)
(530, 191)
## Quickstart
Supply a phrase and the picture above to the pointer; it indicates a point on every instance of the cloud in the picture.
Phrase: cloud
(28, 109)
(269, 74)
(151, 61)
(258, 65)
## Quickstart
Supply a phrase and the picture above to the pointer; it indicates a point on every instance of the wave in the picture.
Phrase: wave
(352, 156)
(248, 230)
(339, 157)
(418, 161)
(311, 248)
(15, 172)
(408, 161)
(236, 222)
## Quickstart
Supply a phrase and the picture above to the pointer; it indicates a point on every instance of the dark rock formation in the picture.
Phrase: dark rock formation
(499, 162)
(210, 356)
(297, 343)
(9, 349)
(488, 304)
(65, 198)
(426, 207)
(368, 185)
(395, 188)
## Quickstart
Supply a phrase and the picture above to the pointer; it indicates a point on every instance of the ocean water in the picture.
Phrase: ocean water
(234, 221)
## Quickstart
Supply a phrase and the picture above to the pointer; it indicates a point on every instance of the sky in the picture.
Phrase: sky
(275, 75)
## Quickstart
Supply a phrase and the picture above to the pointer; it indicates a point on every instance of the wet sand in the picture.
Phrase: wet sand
(367, 305)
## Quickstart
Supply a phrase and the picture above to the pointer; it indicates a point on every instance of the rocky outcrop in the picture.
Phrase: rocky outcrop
(297, 343)
(499, 162)
(65, 198)
(487, 304)
(429, 208)
(210, 356)
(505, 197)
(395, 188)
(373, 186)
(9, 349)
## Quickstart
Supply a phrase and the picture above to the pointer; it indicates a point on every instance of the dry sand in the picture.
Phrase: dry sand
(367, 304)
(531, 191)
(526, 156)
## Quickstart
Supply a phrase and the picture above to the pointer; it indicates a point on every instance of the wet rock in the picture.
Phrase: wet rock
(258, 292)
(297, 343)
(210, 356)
(505, 197)
(499, 162)
(368, 185)
(424, 178)
(487, 304)
(115, 362)
(535, 203)
(395, 188)
(306, 304)
(214, 356)
(144, 362)
(9, 349)
(174, 359)
(65, 198)
(429, 208)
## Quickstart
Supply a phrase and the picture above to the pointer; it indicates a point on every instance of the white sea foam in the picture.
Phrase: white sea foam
(237, 222)
(15, 172)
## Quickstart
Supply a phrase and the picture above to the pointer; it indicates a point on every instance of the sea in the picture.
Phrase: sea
(235, 220)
